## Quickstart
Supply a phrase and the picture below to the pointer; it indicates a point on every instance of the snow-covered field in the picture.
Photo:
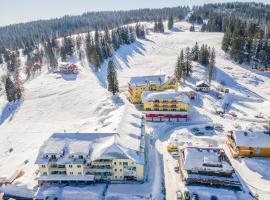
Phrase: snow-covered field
(55, 103)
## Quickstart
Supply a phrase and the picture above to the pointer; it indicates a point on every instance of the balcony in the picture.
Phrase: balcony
(102, 162)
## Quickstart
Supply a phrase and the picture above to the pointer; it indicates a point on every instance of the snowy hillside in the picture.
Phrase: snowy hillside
(55, 103)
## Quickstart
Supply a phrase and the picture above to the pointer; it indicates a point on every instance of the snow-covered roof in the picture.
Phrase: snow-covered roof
(166, 95)
(251, 139)
(202, 82)
(79, 147)
(55, 147)
(206, 159)
(145, 80)
(126, 143)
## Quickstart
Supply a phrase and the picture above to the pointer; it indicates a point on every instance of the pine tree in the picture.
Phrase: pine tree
(155, 26)
(160, 26)
(192, 28)
(178, 69)
(112, 78)
(187, 62)
(195, 52)
(226, 41)
(170, 22)
(211, 65)
(18, 86)
(10, 90)
(63, 54)
(1, 59)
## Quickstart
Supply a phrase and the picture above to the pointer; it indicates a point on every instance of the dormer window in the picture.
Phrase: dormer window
(80, 157)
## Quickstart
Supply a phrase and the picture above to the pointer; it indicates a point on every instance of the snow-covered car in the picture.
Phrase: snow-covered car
(219, 127)
(179, 195)
(220, 111)
(175, 155)
(233, 114)
(200, 133)
(176, 169)
(259, 115)
(195, 129)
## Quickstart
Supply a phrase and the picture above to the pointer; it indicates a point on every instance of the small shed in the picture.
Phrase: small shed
(203, 86)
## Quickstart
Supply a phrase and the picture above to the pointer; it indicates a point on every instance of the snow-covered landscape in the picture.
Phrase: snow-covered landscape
(56, 103)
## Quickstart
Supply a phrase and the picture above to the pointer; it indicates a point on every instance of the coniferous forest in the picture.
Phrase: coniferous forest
(246, 28)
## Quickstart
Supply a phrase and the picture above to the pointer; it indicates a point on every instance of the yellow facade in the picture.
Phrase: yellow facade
(134, 93)
(246, 151)
(166, 105)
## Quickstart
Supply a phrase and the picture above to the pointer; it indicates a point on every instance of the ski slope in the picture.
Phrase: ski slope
(58, 103)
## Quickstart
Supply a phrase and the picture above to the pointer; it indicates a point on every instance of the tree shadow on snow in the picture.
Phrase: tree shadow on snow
(9, 111)
(233, 84)
(122, 55)
(69, 77)
(258, 165)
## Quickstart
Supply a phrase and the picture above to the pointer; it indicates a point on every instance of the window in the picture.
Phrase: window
(80, 157)
(121, 177)
(120, 163)
(120, 170)
(115, 170)
(45, 173)
(71, 173)
(70, 166)
(43, 166)
(78, 166)
(115, 163)
(115, 177)
(80, 173)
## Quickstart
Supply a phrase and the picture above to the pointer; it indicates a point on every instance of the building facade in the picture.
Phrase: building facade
(163, 106)
(250, 144)
(139, 84)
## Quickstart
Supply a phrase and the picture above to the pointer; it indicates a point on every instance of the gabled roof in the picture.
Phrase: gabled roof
(145, 80)
(202, 83)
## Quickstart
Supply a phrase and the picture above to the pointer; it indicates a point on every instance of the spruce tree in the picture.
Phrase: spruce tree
(170, 22)
(112, 78)
(195, 52)
(178, 68)
(211, 65)
(226, 41)
(192, 28)
(10, 90)
(187, 62)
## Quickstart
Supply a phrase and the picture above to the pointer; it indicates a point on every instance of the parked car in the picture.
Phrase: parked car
(195, 197)
(220, 111)
(219, 127)
(176, 169)
(175, 155)
(172, 148)
(186, 195)
(200, 133)
(209, 128)
(195, 129)
(213, 198)
(179, 195)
